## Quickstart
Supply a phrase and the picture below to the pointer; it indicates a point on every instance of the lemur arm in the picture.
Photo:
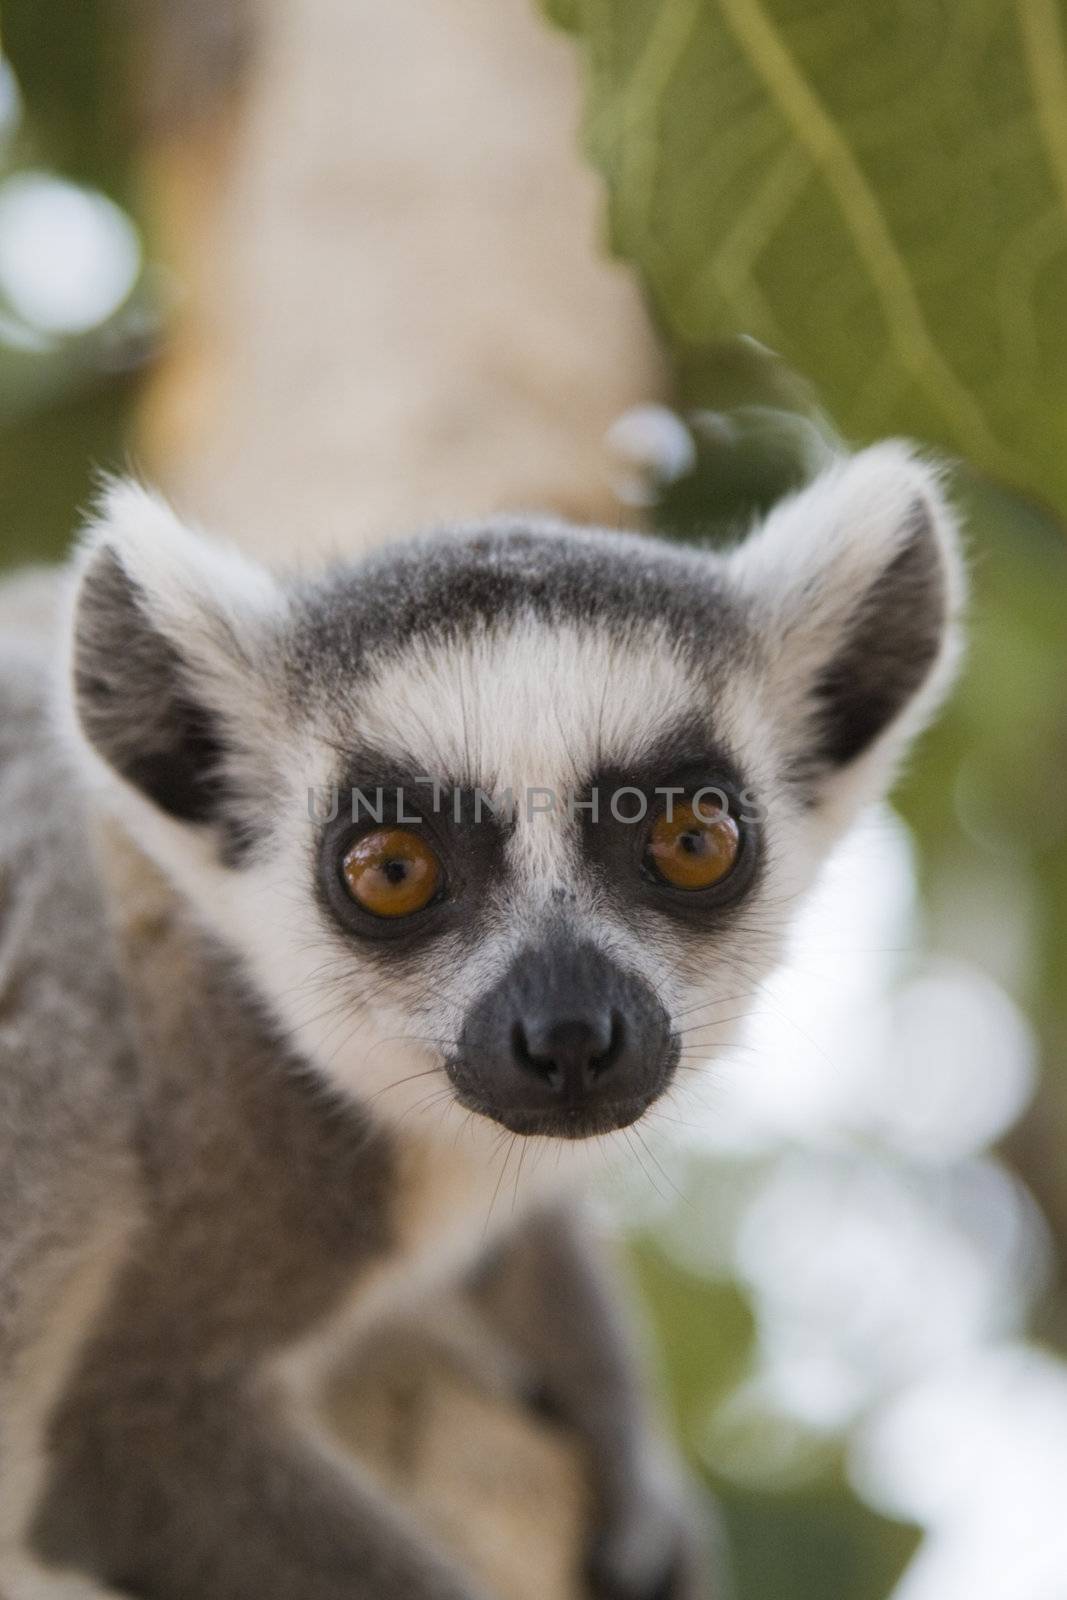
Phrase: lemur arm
(547, 1291)
(228, 1496)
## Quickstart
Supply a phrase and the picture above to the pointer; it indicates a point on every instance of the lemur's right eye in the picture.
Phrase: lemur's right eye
(391, 872)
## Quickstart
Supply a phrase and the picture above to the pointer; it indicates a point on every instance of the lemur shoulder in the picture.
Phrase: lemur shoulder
(259, 1057)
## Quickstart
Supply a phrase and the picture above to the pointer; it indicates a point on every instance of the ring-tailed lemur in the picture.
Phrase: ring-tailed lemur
(237, 1117)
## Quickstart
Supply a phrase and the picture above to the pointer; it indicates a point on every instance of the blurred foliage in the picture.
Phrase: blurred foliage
(877, 193)
(784, 1544)
(987, 801)
(66, 402)
(801, 1546)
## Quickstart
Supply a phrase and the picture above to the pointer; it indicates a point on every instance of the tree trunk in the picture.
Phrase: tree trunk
(398, 311)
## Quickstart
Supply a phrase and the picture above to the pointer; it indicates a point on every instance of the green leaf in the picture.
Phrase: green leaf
(566, 13)
(878, 192)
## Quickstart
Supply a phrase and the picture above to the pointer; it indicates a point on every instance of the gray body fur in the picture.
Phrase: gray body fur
(157, 1137)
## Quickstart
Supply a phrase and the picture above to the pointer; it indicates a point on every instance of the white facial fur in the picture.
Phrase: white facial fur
(532, 701)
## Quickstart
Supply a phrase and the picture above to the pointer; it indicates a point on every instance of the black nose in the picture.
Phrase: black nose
(570, 1053)
(568, 1043)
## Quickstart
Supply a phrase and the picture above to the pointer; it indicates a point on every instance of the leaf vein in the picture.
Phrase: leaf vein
(1047, 69)
(814, 128)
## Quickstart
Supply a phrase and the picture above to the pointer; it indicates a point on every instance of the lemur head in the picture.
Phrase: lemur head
(516, 813)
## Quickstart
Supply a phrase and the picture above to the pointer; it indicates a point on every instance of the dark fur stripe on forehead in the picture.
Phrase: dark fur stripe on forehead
(455, 583)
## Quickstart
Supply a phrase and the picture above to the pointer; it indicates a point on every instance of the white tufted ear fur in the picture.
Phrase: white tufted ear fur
(168, 652)
(855, 586)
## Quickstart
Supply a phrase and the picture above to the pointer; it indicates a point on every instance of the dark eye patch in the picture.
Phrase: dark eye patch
(615, 840)
(457, 823)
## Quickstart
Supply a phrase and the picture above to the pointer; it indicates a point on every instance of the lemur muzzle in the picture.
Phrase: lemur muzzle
(566, 1043)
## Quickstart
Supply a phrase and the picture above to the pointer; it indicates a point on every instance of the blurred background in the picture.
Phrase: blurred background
(852, 1242)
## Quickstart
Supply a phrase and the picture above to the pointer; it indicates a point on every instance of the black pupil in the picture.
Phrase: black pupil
(396, 871)
(694, 844)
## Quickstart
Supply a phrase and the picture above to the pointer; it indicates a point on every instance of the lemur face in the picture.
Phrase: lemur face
(510, 821)
(515, 858)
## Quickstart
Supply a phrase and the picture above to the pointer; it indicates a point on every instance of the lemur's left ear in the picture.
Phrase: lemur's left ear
(169, 642)
(855, 587)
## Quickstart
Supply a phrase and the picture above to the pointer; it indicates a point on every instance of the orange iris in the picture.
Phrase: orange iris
(693, 852)
(391, 872)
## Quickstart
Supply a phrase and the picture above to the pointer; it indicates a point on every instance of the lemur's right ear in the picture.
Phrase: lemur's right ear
(167, 651)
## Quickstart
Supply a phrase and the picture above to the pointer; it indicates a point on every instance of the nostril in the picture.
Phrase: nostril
(569, 1053)
(545, 1066)
(605, 1059)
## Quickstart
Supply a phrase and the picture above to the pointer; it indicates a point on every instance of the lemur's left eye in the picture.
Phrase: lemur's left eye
(391, 872)
(689, 850)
